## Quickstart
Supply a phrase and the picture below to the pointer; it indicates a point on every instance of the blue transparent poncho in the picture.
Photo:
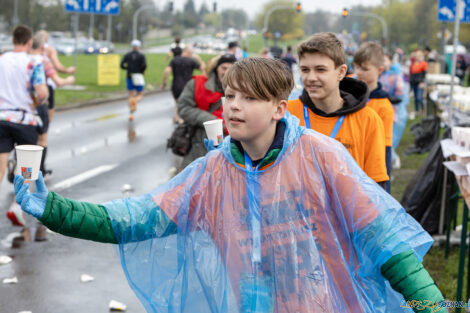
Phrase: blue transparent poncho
(307, 233)
(392, 82)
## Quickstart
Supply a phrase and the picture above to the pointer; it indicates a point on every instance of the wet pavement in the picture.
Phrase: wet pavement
(93, 152)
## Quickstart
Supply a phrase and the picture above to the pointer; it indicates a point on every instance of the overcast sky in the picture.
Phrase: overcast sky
(253, 7)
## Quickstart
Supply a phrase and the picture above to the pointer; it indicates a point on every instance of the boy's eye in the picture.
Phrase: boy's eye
(250, 98)
(229, 96)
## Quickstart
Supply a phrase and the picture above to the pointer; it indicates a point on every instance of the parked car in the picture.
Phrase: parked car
(97, 47)
(6, 43)
(65, 46)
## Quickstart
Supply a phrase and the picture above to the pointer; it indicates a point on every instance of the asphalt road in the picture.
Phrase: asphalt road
(93, 152)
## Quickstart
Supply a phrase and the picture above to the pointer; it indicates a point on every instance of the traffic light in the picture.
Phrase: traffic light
(266, 35)
(345, 12)
(298, 7)
(214, 7)
(170, 6)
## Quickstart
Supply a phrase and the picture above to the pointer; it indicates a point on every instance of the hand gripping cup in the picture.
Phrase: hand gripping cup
(215, 131)
(28, 161)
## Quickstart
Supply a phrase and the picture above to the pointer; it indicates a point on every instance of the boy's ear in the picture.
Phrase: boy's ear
(281, 109)
(343, 69)
(381, 69)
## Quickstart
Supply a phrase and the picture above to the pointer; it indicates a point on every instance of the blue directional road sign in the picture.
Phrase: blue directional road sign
(446, 11)
(93, 6)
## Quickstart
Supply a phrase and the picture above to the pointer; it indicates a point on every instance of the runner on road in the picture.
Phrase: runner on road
(182, 68)
(135, 64)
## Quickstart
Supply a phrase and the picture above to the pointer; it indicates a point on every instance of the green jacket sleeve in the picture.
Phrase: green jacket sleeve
(77, 219)
(408, 277)
(92, 221)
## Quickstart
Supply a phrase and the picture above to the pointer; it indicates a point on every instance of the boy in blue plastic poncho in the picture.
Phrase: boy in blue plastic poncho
(277, 219)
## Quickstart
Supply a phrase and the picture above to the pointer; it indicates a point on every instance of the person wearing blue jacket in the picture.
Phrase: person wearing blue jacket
(278, 218)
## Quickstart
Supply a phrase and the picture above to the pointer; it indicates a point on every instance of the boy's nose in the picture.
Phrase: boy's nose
(312, 76)
(234, 105)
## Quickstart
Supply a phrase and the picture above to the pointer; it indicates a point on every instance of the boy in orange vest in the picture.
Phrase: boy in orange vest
(335, 105)
(368, 65)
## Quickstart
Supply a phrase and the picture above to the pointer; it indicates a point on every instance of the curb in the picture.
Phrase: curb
(104, 100)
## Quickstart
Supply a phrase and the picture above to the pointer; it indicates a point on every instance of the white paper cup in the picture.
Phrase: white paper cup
(215, 131)
(28, 161)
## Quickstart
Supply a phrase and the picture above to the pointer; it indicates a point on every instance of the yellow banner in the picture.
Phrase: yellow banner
(108, 69)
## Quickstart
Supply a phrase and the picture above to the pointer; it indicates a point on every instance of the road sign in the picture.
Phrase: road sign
(446, 11)
(93, 6)
(108, 69)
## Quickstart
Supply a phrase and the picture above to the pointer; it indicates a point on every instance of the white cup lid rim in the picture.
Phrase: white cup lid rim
(29, 148)
(213, 122)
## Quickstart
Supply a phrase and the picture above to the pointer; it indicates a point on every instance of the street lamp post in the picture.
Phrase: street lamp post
(15, 13)
(134, 19)
(268, 14)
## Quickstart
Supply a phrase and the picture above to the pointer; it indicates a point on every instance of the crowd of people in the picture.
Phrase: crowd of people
(291, 213)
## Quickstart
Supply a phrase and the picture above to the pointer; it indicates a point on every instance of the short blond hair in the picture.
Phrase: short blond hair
(324, 43)
(260, 78)
(370, 52)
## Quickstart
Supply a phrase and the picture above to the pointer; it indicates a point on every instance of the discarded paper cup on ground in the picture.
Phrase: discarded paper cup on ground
(5, 259)
(215, 131)
(28, 161)
(117, 306)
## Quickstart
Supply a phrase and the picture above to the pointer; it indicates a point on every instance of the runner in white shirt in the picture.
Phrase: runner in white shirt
(22, 87)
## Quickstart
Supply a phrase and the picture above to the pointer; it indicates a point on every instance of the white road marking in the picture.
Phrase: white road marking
(69, 182)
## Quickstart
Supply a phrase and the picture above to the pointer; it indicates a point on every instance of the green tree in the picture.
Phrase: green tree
(286, 21)
(213, 19)
(203, 10)
(318, 21)
(191, 19)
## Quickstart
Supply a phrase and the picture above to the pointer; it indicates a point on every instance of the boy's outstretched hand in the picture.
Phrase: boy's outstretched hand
(32, 203)
(209, 144)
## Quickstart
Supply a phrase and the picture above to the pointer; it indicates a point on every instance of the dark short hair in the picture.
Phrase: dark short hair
(260, 78)
(21, 35)
(324, 43)
(232, 44)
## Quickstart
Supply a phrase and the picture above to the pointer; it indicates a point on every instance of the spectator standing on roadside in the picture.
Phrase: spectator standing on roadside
(461, 68)
(135, 64)
(368, 65)
(22, 87)
(392, 82)
(264, 53)
(418, 70)
(182, 68)
(233, 48)
(38, 49)
(200, 102)
(176, 49)
(51, 54)
(289, 58)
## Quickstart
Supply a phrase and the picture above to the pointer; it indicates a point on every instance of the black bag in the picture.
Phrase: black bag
(180, 140)
(426, 133)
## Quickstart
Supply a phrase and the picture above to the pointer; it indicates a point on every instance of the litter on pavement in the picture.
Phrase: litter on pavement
(84, 278)
(117, 306)
(5, 259)
(13, 280)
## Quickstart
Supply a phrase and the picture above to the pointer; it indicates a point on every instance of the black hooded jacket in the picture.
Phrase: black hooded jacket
(355, 94)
